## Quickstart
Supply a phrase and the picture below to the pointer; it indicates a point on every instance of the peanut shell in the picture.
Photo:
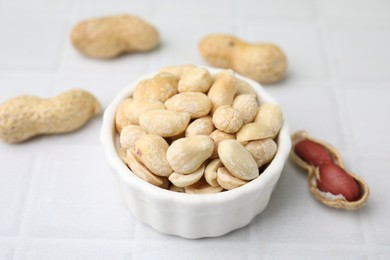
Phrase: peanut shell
(334, 201)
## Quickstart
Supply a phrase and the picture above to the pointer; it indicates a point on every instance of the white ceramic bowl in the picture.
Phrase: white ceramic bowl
(193, 215)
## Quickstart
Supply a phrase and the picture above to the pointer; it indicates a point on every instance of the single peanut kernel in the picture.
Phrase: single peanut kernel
(336, 180)
(312, 153)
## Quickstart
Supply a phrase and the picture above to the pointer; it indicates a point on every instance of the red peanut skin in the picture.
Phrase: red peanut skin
(336, 180)
(312, 153)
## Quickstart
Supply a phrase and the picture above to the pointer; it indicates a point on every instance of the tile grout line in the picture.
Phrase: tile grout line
(21, 236)
(334, 79)
(56, 74)
(338, 94)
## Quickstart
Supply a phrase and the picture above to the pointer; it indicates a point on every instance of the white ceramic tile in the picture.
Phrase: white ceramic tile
(367, 113)
(64, 250)
(296, 217)
(361, 51)
(37, 5)
(30, 42)
(103, 87)
(6, 253)
(191, 250)
(281, 9)
(15, 174)
(24, 83)
(176, 50)
(300, 41)
(377, 211)
(176, 10)
(95, 8)
(298, 252)
(75, 196)
(373, 10)
(310, 106)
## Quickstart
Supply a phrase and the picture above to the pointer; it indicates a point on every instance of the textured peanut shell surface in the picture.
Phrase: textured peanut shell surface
(108, 37)
(263, 62)
(326, 198)
(23, 117)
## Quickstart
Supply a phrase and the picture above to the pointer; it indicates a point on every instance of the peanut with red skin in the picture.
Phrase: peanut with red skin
(336, 180)
(312, 153)
(329, 182)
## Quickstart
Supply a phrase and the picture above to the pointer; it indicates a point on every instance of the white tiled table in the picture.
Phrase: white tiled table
(58, 199)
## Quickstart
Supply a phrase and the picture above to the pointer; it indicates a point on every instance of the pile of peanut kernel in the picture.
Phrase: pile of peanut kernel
(189, 131)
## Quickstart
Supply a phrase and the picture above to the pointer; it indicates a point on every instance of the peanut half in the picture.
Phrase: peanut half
(202, 187)
(187, 154)
(129, 135)
(166, 123)
(161, 87)
(227, 180)
(23, 117)
(184, 180)
(210, 173)
(195, 80)
(200, 126)
(246, 104)
(194, 103)
(130, 109)
(223, 90)
(151, 150)
(237, 160)
(227, 119)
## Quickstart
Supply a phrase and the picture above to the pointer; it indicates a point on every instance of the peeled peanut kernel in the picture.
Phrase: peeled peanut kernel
(210, 173)
(270, 115)
(141, 171)
(247, 105)
(129, 135)
(165, 123)
(200, 126)
(227, 181)
(217, 137)
(130, 109)
(202, 187)
(262, 150)
(237, 160)
(24, 117)
(227, 119)
(244, 88)
(186, 155)
(161, 87)
(195, 80)
(222, 91)
(194, 103)
(121, 119)
(151, 150)
(111, 36)
(184, 180)
(177, 71)
(253, 131)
